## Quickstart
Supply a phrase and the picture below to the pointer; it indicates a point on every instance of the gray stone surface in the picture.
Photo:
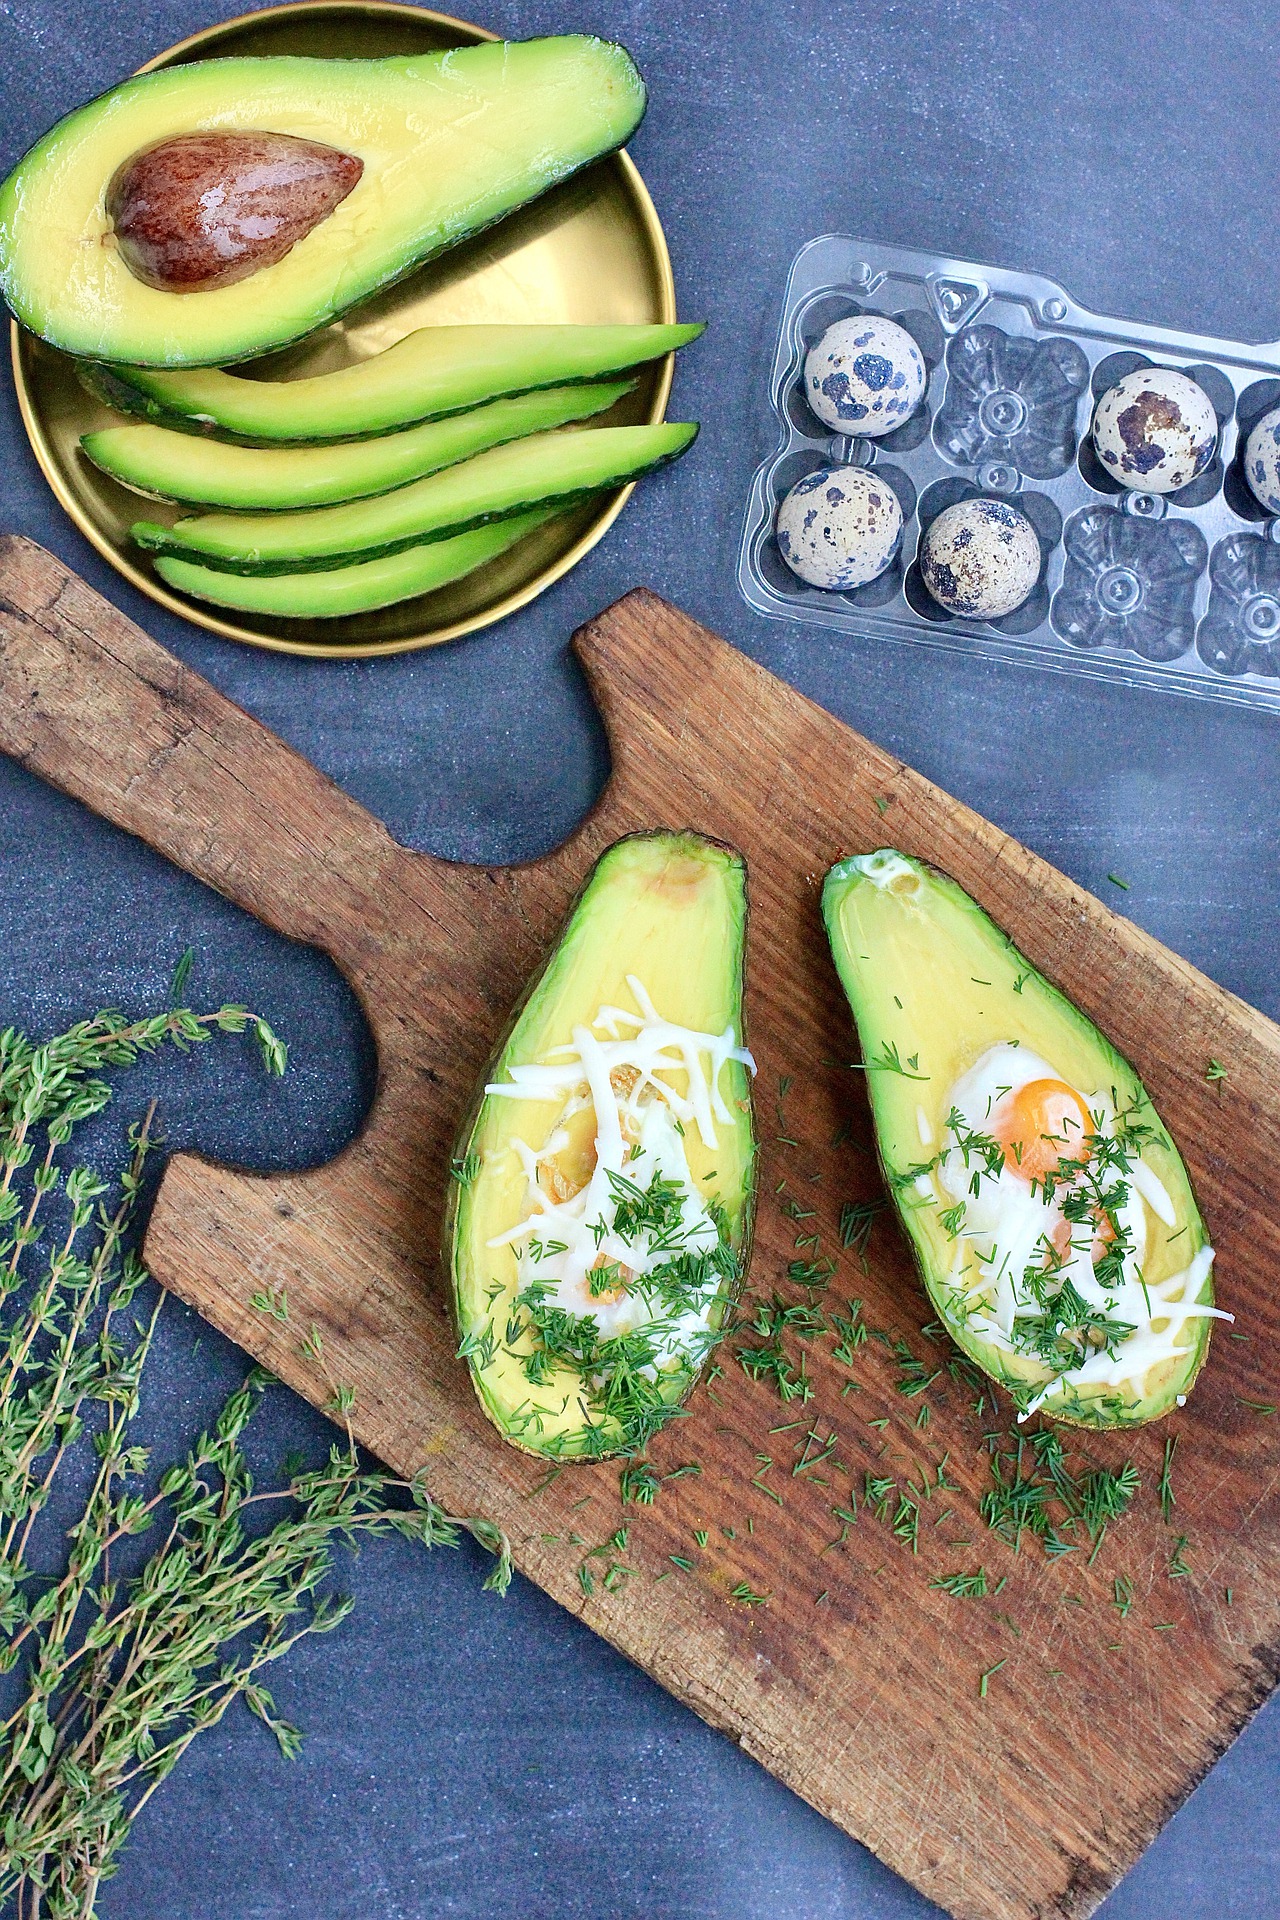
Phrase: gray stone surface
(469, 1757)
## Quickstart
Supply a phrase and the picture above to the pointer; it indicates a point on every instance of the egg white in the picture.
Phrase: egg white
(1007, 1221)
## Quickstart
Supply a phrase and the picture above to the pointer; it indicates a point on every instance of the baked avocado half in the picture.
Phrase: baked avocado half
(447, 143)
(1049, 1210)
(603, 1186)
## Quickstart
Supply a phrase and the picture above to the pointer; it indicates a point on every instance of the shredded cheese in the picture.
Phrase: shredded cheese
(1007, 1222)
(624, 1067)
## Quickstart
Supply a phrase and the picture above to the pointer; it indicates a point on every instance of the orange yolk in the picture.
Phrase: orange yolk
(1103, 1235)
(566, 1173)
(1044, 1122)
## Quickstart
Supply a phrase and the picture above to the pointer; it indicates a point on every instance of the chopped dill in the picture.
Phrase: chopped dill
(639, 1483)
(891, 1061)
(1168, 1500)
(989, 1675)
(963, 1586)
(744, 1593)
(857, 1217)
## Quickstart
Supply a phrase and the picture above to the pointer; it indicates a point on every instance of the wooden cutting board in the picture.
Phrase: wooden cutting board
(854, 1680)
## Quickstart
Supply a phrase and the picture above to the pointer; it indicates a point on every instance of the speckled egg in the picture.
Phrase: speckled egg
(839, 528)
(864, 376)
(1155, 430)
(1262, 461)
(980, 558)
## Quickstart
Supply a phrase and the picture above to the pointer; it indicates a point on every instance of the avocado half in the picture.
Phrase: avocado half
(933, 984)
(450, 143)
(667, 910)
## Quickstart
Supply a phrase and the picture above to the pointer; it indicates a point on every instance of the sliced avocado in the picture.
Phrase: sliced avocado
(598, 1225)
(449, 143)
(1049, 1210)
(179, 466)
(430, 373)
(357, 589)
(547, 469)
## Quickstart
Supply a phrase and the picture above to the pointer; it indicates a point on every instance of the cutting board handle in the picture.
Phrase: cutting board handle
(92, 705)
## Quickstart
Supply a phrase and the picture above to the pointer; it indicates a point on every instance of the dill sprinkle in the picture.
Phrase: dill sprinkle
(988, 1676)
(963, 1586)
(1168, 1500)
(744, 1593)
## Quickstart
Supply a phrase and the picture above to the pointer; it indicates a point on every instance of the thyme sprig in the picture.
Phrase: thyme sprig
(121, 1659)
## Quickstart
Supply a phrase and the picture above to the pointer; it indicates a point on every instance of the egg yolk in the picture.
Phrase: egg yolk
(1040, 1124)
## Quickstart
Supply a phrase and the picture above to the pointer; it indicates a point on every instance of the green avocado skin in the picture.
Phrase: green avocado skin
(601, 930)
(546, 469)
(431, 373)
(955, 947)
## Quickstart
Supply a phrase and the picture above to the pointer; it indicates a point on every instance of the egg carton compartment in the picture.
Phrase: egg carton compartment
(1179, 590)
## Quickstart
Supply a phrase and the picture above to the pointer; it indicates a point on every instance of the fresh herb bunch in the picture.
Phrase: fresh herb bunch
(117, 1667)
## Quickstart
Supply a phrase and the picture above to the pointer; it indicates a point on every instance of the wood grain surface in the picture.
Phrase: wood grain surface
(855, 1681)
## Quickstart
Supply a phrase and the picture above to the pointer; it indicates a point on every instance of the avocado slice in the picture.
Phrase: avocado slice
(601, 1207)
(449, 143)
(430, 373)
(180, 466)
(360, 588)
(546, 469)
(1049, 1210)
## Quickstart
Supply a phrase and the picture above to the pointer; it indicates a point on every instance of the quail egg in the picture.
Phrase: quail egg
(865, 375)
(839, 528)
(1262, 461)
(1155, 430)
(980, 558)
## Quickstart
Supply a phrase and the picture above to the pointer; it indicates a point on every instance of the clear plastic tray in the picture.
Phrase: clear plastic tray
(1180, 592)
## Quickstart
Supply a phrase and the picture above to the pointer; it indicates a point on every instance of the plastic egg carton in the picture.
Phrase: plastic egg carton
(1180, 591)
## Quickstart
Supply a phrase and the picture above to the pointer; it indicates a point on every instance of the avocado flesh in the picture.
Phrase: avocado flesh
(670, 910)
(933, 983)
(450, 143)
(546, 469)
(180, 466)
(430, 373)
(357, 589)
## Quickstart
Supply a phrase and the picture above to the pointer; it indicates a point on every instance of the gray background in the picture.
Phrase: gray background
(472, 1757)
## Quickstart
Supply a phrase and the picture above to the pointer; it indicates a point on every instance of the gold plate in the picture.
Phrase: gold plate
(591, 251)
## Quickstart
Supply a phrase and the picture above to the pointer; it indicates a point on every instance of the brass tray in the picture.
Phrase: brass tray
(592, 250)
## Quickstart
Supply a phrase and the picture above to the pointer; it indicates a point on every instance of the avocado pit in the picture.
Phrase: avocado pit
(203, 210)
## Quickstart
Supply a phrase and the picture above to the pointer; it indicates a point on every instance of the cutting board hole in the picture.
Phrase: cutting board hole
(93, 919)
